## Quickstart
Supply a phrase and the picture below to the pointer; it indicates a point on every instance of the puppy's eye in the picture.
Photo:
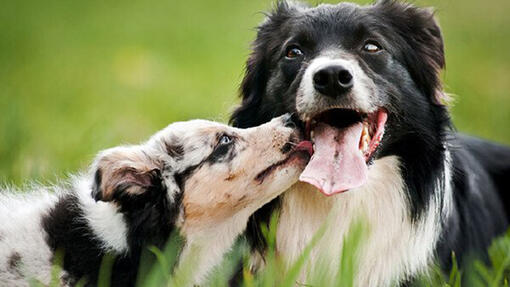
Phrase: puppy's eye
(372, 47)
(223, 147)
(293, 52)
(224, 140)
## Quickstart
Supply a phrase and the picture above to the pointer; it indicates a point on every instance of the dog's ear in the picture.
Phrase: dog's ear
(126, 172)
(425, 55)
(267, 42)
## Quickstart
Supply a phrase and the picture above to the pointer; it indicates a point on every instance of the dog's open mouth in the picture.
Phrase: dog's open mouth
(344, 142)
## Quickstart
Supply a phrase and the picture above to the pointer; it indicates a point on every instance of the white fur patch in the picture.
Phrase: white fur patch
(22, 238)
(106, 221)
(448, 188)
(395, 247)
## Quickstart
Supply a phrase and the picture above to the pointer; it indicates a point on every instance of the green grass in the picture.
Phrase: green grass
(79, 76)
(158, 267)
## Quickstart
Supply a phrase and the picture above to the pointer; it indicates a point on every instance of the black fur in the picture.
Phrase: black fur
(96, 189)
(14, 261)
(222, 153)
(407, 84)
(82, 250)
(175, 150)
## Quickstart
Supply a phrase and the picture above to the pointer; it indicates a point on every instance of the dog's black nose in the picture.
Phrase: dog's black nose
(333, 81)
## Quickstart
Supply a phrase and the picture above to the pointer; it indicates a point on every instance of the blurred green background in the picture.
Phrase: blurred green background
(80, 76)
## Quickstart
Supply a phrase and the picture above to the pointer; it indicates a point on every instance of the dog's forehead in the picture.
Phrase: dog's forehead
(192, 128)
(197, 127)
(338, 19)
(330, 14)
(340, 9)
(191, 134)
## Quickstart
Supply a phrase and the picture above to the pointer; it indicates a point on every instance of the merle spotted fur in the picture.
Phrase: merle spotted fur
(149, 217)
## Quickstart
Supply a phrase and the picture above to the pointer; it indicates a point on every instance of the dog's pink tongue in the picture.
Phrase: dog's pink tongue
(337, 164)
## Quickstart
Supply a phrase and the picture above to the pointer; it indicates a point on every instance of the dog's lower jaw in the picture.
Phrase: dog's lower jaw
(394, 246)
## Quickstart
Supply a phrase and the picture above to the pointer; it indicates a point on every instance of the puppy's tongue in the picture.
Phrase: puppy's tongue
(337, 164)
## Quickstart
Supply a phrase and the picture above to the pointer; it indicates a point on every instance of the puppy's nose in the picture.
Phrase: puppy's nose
(333, 81)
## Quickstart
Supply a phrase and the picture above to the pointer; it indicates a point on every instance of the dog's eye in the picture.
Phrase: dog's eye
(372, 47)
(224, 140)
(224, 145)
(293, 52)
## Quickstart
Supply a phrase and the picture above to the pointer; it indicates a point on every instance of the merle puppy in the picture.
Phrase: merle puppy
(201, 178)
(365, 81)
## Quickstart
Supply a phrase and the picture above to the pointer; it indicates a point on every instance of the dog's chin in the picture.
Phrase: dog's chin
(344, 143)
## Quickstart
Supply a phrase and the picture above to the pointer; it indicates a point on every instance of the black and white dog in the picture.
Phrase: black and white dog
(201, 177)
(365, 81)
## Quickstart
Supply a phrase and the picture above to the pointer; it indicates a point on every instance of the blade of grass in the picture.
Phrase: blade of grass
(161, 261)
(56, 269)
(345, 275)
(105, 270)
(455, 274)
(295, 269)
(159, 273)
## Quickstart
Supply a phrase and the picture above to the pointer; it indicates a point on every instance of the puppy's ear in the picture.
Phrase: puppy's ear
(126, 172)
(266, 44)
(425, 49)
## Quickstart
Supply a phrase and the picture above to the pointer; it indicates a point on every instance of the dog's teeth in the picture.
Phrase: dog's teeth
(364, 148)
(312, 135)
(365, 139)
(365, 135)
(365, 130)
